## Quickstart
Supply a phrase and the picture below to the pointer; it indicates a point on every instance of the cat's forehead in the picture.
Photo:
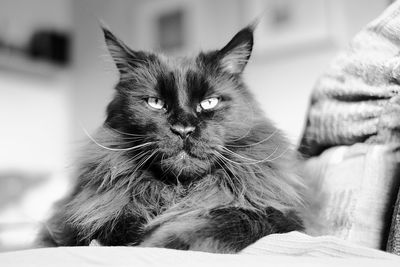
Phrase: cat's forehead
(182, 78)
(178, 65)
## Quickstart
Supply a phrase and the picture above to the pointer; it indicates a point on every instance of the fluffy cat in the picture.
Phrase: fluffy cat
(185, 159)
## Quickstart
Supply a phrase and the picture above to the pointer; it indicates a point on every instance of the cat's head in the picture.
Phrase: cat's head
(185, 108)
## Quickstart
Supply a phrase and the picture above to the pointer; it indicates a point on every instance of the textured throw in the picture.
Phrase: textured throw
(358, 98)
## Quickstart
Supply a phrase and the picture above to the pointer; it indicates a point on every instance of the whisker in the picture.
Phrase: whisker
(154, 158)
(257, 143)
(251, 161)
(221, 156)
(237, 179)
(165, 171)
(132, 138)
(249, 128)
(280, 155)
(236, 154)
(239, 166)
(115, 149)
(220, 162)
(240, 169)
(117, 174)
(124, 133)
(143, 161)
(142, 155)
(123, 142)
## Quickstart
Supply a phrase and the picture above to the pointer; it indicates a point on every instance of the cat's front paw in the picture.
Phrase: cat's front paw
(167, 235)
(172, 241)
(183, 237)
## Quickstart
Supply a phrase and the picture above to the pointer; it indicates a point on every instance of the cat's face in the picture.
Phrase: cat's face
(186, 108)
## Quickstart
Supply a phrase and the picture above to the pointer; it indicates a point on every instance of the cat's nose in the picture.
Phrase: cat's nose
(182, 131)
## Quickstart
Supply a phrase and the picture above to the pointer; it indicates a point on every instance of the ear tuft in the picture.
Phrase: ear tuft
(125, 59)
(235, 55)
(118, 50)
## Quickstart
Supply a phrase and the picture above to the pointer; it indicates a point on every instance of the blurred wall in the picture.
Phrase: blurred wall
(34, 106)
(19, 17)
(94, 72)
(35, 118)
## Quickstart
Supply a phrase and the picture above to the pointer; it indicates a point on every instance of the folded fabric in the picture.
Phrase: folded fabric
(355, 189)
(393, 244)
(300, 244)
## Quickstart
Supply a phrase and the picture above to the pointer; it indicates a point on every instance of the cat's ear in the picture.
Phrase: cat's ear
(235, 55)
(125, 59)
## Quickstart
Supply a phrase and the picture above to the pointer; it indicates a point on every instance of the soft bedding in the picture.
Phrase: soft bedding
(291, 249)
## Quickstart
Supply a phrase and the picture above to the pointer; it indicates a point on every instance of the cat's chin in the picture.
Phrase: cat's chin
(185, 166)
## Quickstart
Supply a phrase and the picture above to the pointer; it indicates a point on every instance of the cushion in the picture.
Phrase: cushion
(354, 191)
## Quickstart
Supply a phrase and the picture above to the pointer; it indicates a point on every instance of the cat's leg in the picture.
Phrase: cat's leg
(57, 232)
(219, 230)
(122, 231)
(61, 230)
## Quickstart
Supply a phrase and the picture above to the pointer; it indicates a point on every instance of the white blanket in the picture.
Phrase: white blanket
(292, 249)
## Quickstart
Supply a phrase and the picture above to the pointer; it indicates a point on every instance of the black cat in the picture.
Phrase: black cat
(185, 159)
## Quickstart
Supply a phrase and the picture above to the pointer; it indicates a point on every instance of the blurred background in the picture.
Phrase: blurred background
(56, 76)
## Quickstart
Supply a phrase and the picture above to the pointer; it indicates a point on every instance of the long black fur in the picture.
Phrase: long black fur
(230, 182)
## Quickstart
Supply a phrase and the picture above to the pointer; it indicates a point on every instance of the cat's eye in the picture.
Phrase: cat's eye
(155, 102)
(209, 103)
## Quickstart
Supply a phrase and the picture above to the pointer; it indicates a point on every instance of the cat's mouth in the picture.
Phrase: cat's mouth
(185, 157)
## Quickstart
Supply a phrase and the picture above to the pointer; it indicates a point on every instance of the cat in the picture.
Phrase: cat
(185, 159)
